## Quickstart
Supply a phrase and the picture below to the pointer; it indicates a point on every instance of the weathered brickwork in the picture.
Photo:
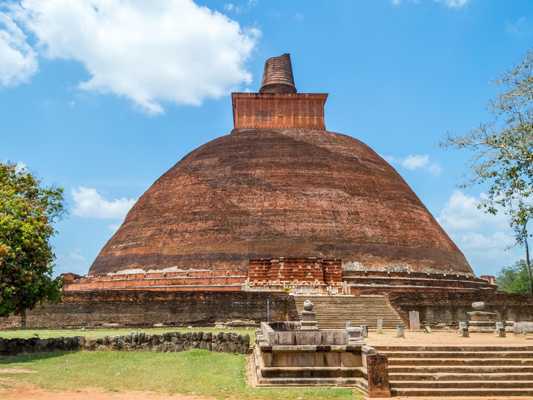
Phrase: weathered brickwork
(294, 271)
(280, 193)
(278, 111)
(204, 280)
(384, 282)
(147, 308)
(279, 185)
(449, 307)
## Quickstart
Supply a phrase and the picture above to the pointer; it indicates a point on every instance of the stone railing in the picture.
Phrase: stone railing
(338, 356)
(138, 341)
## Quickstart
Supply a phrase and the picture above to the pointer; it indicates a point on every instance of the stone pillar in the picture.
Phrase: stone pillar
(377, 372)
(308, 322)
(365, 330)
(400, 331)
(414, 320)
(380, 325)
(463, 329)
(500, 329)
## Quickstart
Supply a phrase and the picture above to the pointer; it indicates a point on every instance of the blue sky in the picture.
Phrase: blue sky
(102, 99)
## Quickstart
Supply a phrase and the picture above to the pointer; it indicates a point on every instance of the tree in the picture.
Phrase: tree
(503, 154)
(27, 214)
(514, 278)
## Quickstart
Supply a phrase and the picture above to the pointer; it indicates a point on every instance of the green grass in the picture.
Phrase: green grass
(196, 372)
(101, 332)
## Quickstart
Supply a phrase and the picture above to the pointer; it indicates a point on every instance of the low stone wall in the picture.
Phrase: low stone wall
(174, 341)
(11, 347)
(451, 307)
(167, 342)
(147, 308)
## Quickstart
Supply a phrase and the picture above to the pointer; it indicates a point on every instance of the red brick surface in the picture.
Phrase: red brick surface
(265, 193)
(273, 110)
(294, 270)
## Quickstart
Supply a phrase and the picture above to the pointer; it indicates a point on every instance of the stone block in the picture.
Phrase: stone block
(400, 331)
(414, 320)
(379, 325)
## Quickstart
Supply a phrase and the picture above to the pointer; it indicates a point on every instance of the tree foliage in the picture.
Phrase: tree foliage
(503, 153)
(27, 214)
(514, 278)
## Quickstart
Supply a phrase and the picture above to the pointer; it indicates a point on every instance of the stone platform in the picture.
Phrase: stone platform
(442, 364)
(292, 354)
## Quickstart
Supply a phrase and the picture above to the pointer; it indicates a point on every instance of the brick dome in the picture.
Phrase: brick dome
(280, 193)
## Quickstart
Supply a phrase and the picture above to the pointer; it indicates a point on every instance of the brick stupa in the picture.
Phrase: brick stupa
(280, 201)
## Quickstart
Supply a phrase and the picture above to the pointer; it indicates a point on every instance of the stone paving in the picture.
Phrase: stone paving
(445, 338)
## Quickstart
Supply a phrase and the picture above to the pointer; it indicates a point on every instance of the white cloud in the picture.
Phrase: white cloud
(150, 52)
(485, 239)
(240, 8)
(461, 213)
(416, 162)
(18, 61)
(453, 3)
(231, 7)
(447, 3)
(72, 261)
(90, 204)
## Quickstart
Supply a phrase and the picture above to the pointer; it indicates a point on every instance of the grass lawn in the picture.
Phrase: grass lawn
(101, 332)
(195, 372)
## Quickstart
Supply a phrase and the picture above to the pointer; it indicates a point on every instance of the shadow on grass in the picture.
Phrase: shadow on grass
(30, 357)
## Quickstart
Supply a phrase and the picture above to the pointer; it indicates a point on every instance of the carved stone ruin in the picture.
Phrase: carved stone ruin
(480, 320)
(355, 335)
(522, 327)
(400, 331)
(286, 354)
(365, 330)
(309, 322)
(463, 329)
(500, 329)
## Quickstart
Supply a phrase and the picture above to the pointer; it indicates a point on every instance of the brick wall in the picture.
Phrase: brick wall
(450, 307)
(205, 280)
(294, 271)
(274, 110)
(146, 308)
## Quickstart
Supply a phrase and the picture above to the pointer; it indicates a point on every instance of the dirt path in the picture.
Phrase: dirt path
(25, 392)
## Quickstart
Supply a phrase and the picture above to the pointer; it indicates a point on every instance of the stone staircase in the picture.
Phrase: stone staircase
(460, 370)
(332, 312)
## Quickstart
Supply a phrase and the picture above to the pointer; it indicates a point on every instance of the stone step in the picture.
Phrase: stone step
(453, 349)
(488, 393)
(332, 312)
(483, 384)
(459, 369)
(311, 372)
(461, 361)
(462, 354)
(308, 381)
(460, 376)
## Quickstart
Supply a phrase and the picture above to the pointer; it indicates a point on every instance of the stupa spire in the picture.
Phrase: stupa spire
(277, 77)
